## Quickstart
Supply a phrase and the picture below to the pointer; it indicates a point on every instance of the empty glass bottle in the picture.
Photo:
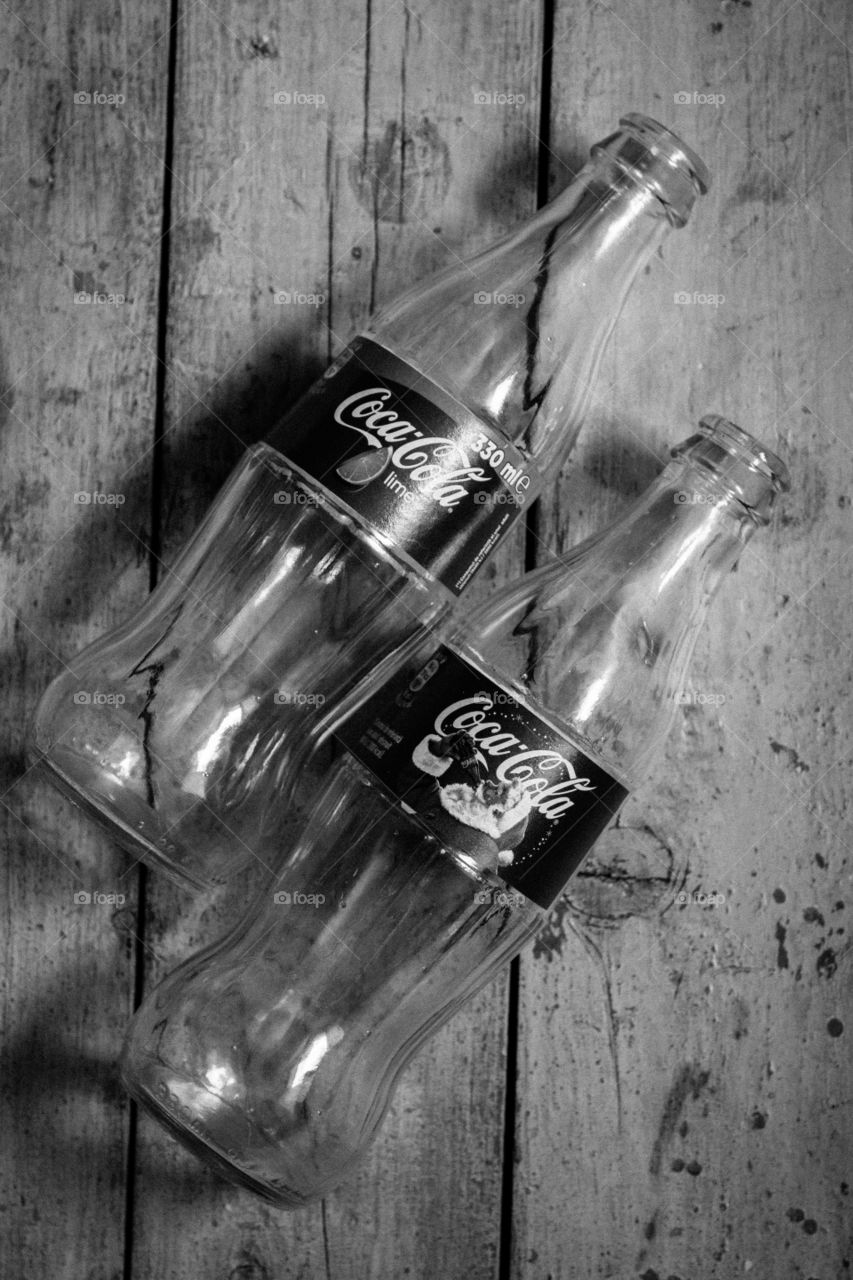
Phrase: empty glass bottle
(357, 523)
(468, 790)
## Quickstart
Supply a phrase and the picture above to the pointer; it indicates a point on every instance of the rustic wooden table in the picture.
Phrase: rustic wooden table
(661, 1088)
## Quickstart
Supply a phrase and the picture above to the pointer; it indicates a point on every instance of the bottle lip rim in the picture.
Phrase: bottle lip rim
(667, 146)
(742, 444)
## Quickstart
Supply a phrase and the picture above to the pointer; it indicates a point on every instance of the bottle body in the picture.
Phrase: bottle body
(179, 731)
(343, 983)
(389, 913)
(352, 531)
(468, 789)
(400, 901)
(184, 731)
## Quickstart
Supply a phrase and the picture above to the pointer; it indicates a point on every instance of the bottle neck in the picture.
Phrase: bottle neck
(598, 237)
(680, 539)
(603, 638)
(517, 335)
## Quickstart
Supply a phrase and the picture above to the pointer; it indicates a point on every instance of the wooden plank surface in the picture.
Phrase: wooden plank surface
(683, 1084)
(383, 180)
(81, 207)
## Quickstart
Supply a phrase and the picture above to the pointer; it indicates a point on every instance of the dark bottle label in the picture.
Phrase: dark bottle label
(436, 483)
(485, 775)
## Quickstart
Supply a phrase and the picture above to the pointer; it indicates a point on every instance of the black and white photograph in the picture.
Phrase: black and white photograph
(425, 564)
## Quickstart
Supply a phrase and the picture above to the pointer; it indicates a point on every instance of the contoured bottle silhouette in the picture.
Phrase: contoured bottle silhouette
(470, 787)
(357, 524)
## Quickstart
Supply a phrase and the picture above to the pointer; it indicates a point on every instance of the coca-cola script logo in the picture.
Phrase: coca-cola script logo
(546, 774)
(439, 466)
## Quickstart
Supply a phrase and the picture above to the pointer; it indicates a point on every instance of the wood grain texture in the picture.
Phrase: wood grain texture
(684, 1080)
(391, 175)
(81, 208)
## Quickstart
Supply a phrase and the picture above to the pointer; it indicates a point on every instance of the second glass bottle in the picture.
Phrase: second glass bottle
(469, 789)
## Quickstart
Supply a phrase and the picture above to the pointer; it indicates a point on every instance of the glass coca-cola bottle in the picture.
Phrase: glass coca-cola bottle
(357, 523)
(468, 789)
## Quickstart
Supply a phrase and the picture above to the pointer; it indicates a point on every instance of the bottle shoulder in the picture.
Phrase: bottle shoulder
(515, 691)
(455, 395)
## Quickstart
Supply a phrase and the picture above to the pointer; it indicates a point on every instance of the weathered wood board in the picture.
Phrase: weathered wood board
(685, 1084)
(82, 198)
(682, 1085)
(378, 177)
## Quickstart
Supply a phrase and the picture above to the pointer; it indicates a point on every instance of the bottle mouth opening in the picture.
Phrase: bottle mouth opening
(655, 156)
(747, 468)
(747, 448)
(665, 144)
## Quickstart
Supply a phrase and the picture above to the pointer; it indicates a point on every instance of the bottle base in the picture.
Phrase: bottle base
(280, 1198)
(105, 815)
